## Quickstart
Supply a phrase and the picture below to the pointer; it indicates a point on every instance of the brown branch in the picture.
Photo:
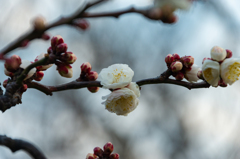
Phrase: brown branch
(34, 34)
(16, 144)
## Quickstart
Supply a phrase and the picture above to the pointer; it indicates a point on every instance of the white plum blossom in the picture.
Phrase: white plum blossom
(218, 53)
(211, 72)
(135, 88)
(230, 70)
(25, 64)
(43, 67)
(116, 76)
(173, 4)
(191, 75)
(121, 101)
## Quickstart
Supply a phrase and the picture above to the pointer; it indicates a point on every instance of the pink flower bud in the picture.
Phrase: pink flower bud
(176, 57)
(39, 76)
(24, 88)
(114, 156)
(65, 70)
(91, 156)
(49, 50)
(56, 40)
(200, 75)
(176, 66)
(206, 59)
(229, 53)
(187, 61)
(5, 82)
(92, 76)
(68, 58)
(93, 89)
(39, 23)
(25, 43)
(108, 148)
(169, 59)
(86, 67)
(179, 76)
(81, 23)
(13, 63)
(97, 151)
(7, 73)
(61, 48)
(45, 36)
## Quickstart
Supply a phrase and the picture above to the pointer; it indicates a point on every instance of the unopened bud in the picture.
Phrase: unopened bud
(218, 53)
(56, 40)
(65, 70)
(91, 156)
(114, 156)
(42, 67)
(45, 36)
(98, 151)
(176, 57)
(24, 88)
(92, 76)
(108, 148)
(200, 75)
(176, 66)
(86, 67)
(25, 43)
(39, 23)
(49, 50)
(61, 48)
(179, 76)
(169, 59)
(13, 63)
(187, 61)
(229, 53)
(68, 57)
(5, 82)
(39, 76)
(81, 23)
(93, 89)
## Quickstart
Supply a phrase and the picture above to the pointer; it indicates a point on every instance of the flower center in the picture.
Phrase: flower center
(117, 75)
(208, 74)
(233, 71)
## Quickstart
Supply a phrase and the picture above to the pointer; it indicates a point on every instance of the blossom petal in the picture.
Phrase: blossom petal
(230, 70)
(211, 72)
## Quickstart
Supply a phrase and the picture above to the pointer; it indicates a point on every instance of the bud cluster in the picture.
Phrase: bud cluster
(217, 69)
(59, 49)
(88, 75)
(182, 67)
(106, 153)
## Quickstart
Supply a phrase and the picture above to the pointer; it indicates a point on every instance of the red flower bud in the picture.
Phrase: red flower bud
(93, 89)
(86, 67)
(61, 48)
(24, 88)
(229, 53)
(13, 63)
(49, 50)
(205, 59)
(176, 57)
(92, 76)
(176, 66)
(65, 70)
(108, 148)
(114, 156)
(187, 61)
(200, 75)
(56, 40)
(179, 76)
(39, 76)
(45, 36)
(5, 82)
(81, 23)
(25, 43)
(169, 59)
(98, 151)
(91, 156)
(68, 58)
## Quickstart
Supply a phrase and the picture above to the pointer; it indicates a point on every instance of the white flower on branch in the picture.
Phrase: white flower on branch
(116, 76)
(230, 70)
(25, 64)
(173, 4)
(121, 101)
(211, 72)
(191, 75)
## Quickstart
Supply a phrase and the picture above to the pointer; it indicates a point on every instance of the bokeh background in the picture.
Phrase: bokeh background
(170, 122)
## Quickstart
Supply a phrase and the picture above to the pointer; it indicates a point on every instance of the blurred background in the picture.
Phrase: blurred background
(171, 122)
